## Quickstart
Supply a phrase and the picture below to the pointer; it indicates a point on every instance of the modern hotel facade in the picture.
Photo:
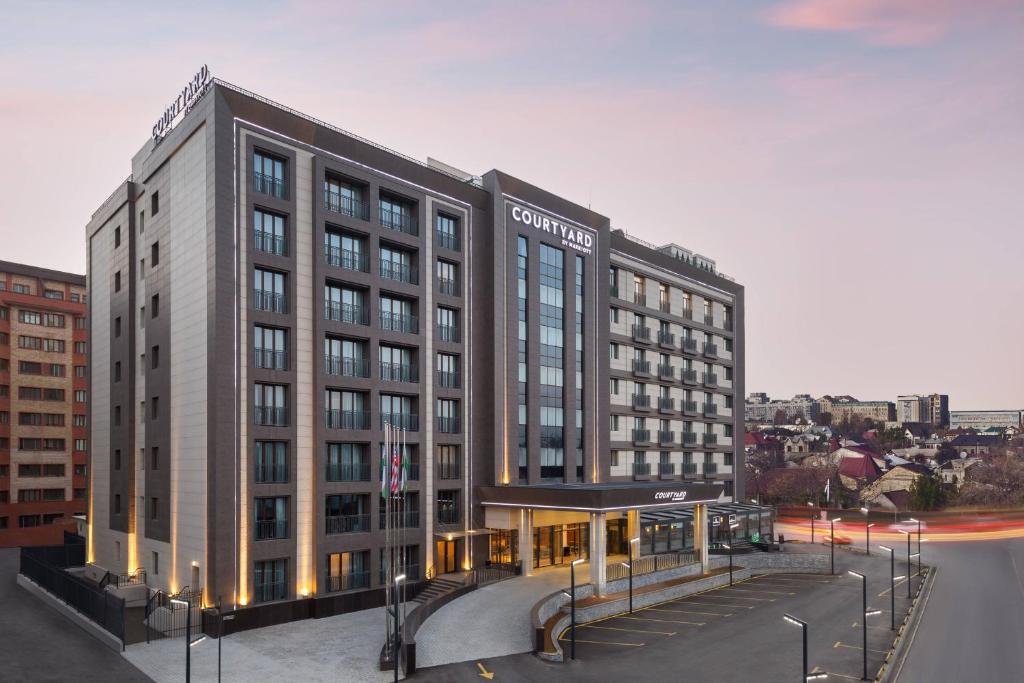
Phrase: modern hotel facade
(268, 291)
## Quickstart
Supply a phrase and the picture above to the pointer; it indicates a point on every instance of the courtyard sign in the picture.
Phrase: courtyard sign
(670, 496)
(188, 96)
(577, 239)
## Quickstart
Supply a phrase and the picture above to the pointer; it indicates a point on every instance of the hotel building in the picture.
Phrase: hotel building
(268, 291)
(43, 402)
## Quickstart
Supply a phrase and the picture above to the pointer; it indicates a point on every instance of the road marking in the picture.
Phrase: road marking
(718, 604)
(742, 597)
(852, 678)
(603, 642)
(770, 577)
(839, 644)
(686, 611)
(747, 590)
(898, 583)
(665, 621)
(484, 672)
(873, 628)
(630, 630)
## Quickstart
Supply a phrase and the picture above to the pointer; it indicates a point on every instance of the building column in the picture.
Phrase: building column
(598, 551)
(526, 541)
(700, 534)
(633, 527)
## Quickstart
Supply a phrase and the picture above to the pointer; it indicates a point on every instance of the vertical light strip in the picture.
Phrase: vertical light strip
(304, 452)
(427, 458)
(242, 292)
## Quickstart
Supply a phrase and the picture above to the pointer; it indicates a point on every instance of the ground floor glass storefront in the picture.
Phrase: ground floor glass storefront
(560, 544)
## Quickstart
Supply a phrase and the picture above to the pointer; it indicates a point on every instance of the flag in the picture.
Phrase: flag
(405, 466)
(827, 482)
(395, 467)
(383, 464)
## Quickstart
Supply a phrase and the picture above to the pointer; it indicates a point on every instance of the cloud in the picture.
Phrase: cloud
(886, 22)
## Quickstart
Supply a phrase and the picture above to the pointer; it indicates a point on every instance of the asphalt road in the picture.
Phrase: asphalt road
(973, 625)
(38, 644)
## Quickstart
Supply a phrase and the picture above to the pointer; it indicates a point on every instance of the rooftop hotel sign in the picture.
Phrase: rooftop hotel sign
(188, 96)
(577, 239)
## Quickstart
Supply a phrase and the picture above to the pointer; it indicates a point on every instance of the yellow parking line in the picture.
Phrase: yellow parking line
(872, 628)
(898, 583)
(840, 643)
(717, 604)
(742, 597)
(686, 611)
(772, 579)
(630, 630)
(603, 642)
(665, 621)
(747, 590)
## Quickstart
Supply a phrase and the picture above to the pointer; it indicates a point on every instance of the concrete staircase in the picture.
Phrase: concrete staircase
(436, 588)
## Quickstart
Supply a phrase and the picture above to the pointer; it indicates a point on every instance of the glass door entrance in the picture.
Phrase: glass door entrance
(560, 544)
(445, 557)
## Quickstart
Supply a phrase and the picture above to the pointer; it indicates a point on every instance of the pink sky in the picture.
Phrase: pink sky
(857, 164)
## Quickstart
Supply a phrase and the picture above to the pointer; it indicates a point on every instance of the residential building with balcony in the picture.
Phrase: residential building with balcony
(44, 441)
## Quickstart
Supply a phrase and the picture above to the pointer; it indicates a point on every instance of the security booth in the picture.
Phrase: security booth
(544, 525)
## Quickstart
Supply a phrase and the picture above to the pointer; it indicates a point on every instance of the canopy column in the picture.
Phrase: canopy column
(598, 551)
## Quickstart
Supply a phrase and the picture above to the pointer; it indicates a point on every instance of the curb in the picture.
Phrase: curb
(893, 664)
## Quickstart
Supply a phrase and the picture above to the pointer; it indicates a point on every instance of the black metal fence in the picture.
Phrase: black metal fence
(167, 616)
(45, 565)
(650, 563)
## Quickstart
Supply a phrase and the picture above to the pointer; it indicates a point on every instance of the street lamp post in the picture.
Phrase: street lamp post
(811, 505)
(631, 558)
(397, 651)
(572, 610)
(804, 676)
(832, 541)
(864, 617)
(910, 564)
(867, 531)
(892, 583)
(728, 547)
(918, 522)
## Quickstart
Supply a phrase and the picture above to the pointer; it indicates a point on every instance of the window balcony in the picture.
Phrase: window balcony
(409, 421)
(268, 184)
(399, 220)
(399, 372)
(268, 359)
(347, 205)
(641, 367)
(641, 469)
(446, 515)
(409, 519)
(448, 425)
(448, 286)
(689, 407)
(665, 371)
(710, 409)
(346, 259)
(353, 314)
(666, 469)
(448, 333)
(641, 334)
(666, 339)
(271, 474)
(688, 312)
(398, 272)
(710, 350)
(270, 529)
(666, 404)
(269, 243)
(613, 292)
(639, 298)
(447, 240)
(273, 302)
(641, 436)
(710, 468)
(347, 524)
(449, 470)
(399, 322)
(709, 439)
(347, 419)
(727, 325)
(270, 416)
(689, 469)
(340, 366)
(709, 319)
(689, 438)
(688, 376)
(447, 380)
(347, 471)
(641, 401)
(348, 582)
(666, 436)
(710, 379)
(689, 345)
(665, 306)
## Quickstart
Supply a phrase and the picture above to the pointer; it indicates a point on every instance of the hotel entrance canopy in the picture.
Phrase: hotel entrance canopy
(605, 497)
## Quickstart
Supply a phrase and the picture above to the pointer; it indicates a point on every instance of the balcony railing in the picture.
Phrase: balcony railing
(398, 372)
(689, 468)
(666, 338)
(710, 379)
(398, 220)
(269, 529)
(399, 322)
(641, 333)
(447, 285)
(709, 319)
(402, 520)
(448, 333)
(409, 421)
(268, 184)
(689, 407)
(689, 438)
(347, 259)
(270, 416)
(269, 359)
(688, 312)
(347, 524)
(447, 380)
(447, 240)
(340, 366)
(269, 243)
(642, 435)
(665, 306)
(709, 439)
(665, 371)
(269, 591)
(347, 471)
(353, 314)
(688, 376)
(641, 367)
(727, 325)
(689, 345)
(347, 205)
(666, 404)
(613, 292)
(710, 409)
(446, 515)
(710, 350)
(347, 419)
(348, 582)
(399, 272)
(666, 468)
(449, 470)
(710, 468)
(271, 474)
(641, 401)
(639, 298)
(641, 469)
(448, 425)
(273, 302)
(666, 436)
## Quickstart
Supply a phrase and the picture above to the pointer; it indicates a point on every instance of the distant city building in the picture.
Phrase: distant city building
(846, 408)
(984, 419)
(930, 408)
(759, 408)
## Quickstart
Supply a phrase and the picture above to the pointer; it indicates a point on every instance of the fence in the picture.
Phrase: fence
(650, 563)
(45, 566)
(167, 616)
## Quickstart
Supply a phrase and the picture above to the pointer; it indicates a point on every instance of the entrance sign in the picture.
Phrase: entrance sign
(183, 103)
(571, 237)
